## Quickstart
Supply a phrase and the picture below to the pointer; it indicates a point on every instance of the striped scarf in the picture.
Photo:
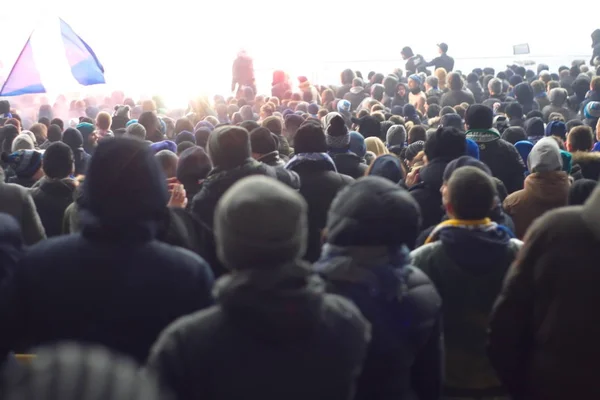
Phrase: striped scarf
(483, 225)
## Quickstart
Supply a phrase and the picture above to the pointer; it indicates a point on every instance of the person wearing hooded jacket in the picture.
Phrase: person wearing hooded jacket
(390, 83)
(347, 77)
(543, 339)
(230, 152)
(500, 156)
(356, 94)
(524, 95)
(580, 86)
(371, 226)
(580, 142)
(11, 245)
(546, 187)
(74, 139)
(319, 182)
(558, 99)
(443, 146)
(466, 257)
(595, 45)
(273, 333)
(339, 144)
(113, 283)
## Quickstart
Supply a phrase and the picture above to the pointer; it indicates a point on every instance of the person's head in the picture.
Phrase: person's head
(150, 122)
(26, 164)
(452, 120)
(183, 124)
(185, 136)
(580, 138)
(545, 156)
(40, 131)
(534, 127)
(262, 142)
(387, 166)
(557, 129)
(373, 211)
(514, 110)
(168, 162)
(431, 82)
(193, 165)
(580, 191)
(414, 83)
(396, 136)
(357, 82)
(469, 194)
(479, 117)
(22, 142)
(71, 371)
(433, 111)
(292, 124)
(446, 144)
(443, 48)
(229, 147)
(103, 121)
(407, 53)
(183, 146)
(417, 133)
(539, 88)
(455, 81)
(376, 146)
(59, 122)
(472, 78)
(336, 132)
(136, 130)
(73, 138)
(460, 110)
(310, 138)
(58, 161)
(54, 133)
(347, 76)
(273, 124)
(514, 134)
(558, 96)
(249, 235)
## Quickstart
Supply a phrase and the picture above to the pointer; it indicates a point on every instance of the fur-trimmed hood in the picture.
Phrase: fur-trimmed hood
(588, 162)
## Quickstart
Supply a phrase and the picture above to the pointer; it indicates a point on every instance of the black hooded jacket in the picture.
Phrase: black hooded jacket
(112, 284)
(355, 96)
(350, 164)
(51, 198)
(273, 335)
(427, 192)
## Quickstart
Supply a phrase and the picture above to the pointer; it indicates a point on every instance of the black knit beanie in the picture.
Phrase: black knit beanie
(479, 116)
(229, 147)
(262, 141)
(310, 138)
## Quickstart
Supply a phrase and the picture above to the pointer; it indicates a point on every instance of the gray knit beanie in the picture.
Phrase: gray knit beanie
(396, 136)
(260, 223)
(336, 131)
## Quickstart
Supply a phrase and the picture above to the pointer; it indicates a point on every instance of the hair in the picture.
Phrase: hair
(442, 75)
(433, 100)
(397, 120)
(416, 133)
(168, 162)
(445, 143)
(267, 110)
(183, 124)
(581, 138)
(379, 116)
(377, 107)
(40, 131)
(595, 84)
(59, 122)
(514, 134)
(514, 110)
(556, 116)
(274, 124)
(362, 113)
(14, 122)
(58, 161)
(495, 86)
(322, 113)
(455, 81)
(149, 120)
(553, 85)
(471, 193)
(573, 123)
(538, 87)
(183, 146)
(148, 106)
(103, 120)
(460, 110)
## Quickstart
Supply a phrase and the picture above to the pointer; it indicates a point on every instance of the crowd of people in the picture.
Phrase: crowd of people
(425, 234)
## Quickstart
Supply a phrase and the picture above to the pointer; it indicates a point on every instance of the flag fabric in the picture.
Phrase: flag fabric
(25, 77)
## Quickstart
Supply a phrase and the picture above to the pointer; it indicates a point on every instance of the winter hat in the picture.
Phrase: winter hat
(534, 127)
(515, 80)
(396, 136)
(387, 166)
(310, 138)
(130, 122)
(557, 128)
(246, 112)
(545, 156)
(58, 161)
(398, 110)
(22, 142)
(164, 145)
(313, 109)
(273, 124)
(73, 138)
(592, 110)
(514, 134)
(369, 212)
(357, 144)
(206, 124)
(452, 120)
(185, 136)
(4, 108)
(368, 126)
(136, 130)
(472, 149)
(201, 136)
(336, 131)
(193, 165)
(566, 161)
(25, 163)
(580, 191)
(413, 149)
(249, 235)
(416, 78)
(558, 96)
(229, 147)
(464, 161)
(524, 148)
(479, 116)
(75, 372)
(524, 93)
(262, 141)
(344, 106)
(104, 187)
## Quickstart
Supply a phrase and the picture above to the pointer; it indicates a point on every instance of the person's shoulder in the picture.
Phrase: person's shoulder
(343, 314)
(177, 258)
(14, 190)
(59, 249)
(513, 200)
(422, 290)
(421, 255)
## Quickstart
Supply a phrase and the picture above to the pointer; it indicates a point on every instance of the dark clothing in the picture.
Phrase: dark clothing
(593, 96)
(543, 340)
(243, 72)
(51, 198)
(273, 335)
(272, 159)
(342, 90)
(501, 98)
(443, 61)
(477, 91)
(456, 97)
(92, 287)
(350, 164)
(278, 90)
(467, 268)
(564, 111)
(11, 245)
(415, 64)
(427, 192)
(405, 356)
(218, 181)
(319, 184)
(82, 160)
(25, 182)
(504, 161)
(355, 96)
(542, 101)
(589, 164)
(284, 146)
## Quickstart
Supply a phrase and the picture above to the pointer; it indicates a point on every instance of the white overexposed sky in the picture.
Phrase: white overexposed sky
(182, 47)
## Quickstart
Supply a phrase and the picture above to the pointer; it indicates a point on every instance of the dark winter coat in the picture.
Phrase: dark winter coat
(319, 184)
(443, 61)
(273, 335)
(467, 269)
(543, 338)
(218, 181)
(11, 245)
(456, 97)
(427, 192)
(542, 101)
(25, 182)
(592, 96)
(52, 197)
(272, 159)
(82, 160)
(355, 96)
(543, 191)
(588, 162)
(405, 356)
(350, 164)
(504, 161)
(477, 91)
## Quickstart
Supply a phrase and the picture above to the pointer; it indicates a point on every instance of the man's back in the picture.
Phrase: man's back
(117, 295)
(16, 201)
